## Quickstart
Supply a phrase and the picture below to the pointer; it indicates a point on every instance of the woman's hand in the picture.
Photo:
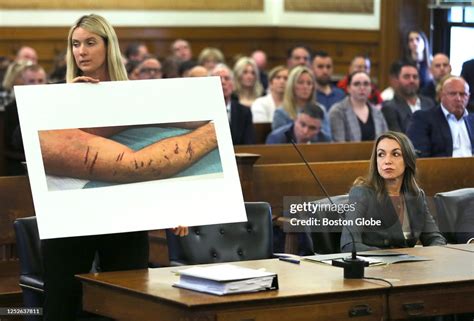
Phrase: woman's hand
(180, 231)
(85, 79)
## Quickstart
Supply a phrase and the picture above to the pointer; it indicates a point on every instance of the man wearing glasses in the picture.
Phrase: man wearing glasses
(149, 68)
(447, 130)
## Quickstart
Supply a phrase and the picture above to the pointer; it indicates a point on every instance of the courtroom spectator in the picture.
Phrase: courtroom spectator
(136, 51)
(399, 110)
(390, 194)
(298, 55)
(149, 68)
(185, 67)
(247, 81)
(260, 58)
(181, 50)
(210, 57)
(298, 92)
(305, 129)
(354, 119)
(467, 72)
(326, 93)
(58, 75)
(13, 78)
(440, 68)
(389, 92)
(240, 117)
(170, 67)
(93, 56)
(4, 95)
(131, 68)
(417, 50)
(29, 75)
(264, 107)
(26, 53)
(198, 71)
(448, 129)
(362, 63)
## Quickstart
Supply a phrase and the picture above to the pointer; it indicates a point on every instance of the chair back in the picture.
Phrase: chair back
(251, 240)
(326, 240)
(449, 208)
(31, 263)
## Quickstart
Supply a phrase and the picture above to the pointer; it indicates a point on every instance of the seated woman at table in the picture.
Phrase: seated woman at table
(353, 119)
(389, 209)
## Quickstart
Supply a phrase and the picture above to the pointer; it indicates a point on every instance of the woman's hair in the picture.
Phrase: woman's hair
(101, 27)
(351, 75)
(426, 51)
(239, 68)
(210, 53)
(289, 99)
(275, 71)
(377, 182)
(14, 71)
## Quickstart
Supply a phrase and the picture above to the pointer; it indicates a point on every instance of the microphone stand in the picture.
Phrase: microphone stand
(353, 266)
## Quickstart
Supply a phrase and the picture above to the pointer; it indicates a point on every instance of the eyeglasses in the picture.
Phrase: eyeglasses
(360, 83)
(150, 70)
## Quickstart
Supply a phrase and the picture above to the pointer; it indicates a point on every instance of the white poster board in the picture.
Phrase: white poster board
(207, 192)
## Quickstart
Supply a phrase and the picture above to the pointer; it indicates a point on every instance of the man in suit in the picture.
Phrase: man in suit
(440, 68)
(304, 130)
(447, 130)
(240, 117)
(398, 111)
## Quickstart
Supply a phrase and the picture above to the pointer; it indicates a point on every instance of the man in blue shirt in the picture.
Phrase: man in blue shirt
(304, 130)
(326, 93)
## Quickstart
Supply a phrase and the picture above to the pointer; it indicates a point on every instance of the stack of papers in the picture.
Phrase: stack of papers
(373, 257)
(226, 279)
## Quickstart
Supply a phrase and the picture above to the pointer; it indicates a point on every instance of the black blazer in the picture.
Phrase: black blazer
(430, 133)
(397, 113)
(241, 125)
(389, 234)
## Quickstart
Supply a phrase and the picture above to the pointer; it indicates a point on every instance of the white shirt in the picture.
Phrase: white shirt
(461, 141)
(228, 110)
(416, 106)
(263, 109)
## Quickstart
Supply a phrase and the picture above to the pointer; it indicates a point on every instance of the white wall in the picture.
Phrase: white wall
(273, 15)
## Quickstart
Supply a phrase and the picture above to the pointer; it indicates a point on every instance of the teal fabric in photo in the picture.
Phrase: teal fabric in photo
(138, 138)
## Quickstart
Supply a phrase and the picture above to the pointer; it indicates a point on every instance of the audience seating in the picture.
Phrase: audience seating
(241, 241)
(450, 207)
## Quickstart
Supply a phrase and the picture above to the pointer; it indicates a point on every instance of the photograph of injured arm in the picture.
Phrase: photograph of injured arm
(94, 153)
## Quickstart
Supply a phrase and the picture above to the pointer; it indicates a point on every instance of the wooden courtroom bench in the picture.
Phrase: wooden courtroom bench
(261, 132)
(271, 182)
(321, 152)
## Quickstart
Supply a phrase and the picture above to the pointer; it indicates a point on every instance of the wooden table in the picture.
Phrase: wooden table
(444, 285)
(308, 291)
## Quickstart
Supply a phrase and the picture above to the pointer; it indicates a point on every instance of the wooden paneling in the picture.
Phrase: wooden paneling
(350, 6)
(136, 4)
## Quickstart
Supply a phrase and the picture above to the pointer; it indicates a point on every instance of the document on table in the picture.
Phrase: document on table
(226, 279)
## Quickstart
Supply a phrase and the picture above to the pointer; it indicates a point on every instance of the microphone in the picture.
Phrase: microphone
(353, 266)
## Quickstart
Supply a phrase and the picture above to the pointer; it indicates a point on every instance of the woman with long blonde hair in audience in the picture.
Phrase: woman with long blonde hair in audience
(247, 81)
(300, 89)
(264, 107)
